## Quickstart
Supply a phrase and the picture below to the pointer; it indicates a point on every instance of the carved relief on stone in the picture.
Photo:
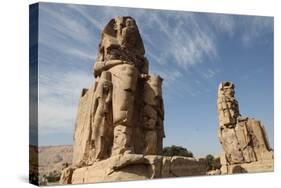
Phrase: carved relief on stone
(101, 125)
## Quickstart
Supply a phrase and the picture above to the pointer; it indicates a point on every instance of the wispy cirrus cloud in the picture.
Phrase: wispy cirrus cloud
(67, 23)
(223, 23)
(255, 29)
(65, 32)
(67, 50)
(182, 38)
(210, 73)
(58, 98)
(86, 14)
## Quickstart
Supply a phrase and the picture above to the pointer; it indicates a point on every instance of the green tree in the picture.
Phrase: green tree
(176, 151)
(212, 162)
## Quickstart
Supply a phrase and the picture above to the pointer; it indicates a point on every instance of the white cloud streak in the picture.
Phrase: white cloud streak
(255, 28)
(223, 23)
(58, 98)
(66, 24)
(186, 42)
(83, 11)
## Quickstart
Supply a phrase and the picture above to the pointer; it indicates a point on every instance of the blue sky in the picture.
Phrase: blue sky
(193, 52)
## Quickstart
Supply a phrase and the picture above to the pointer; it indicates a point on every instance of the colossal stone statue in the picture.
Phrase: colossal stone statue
(109, 121)
(119, 128)
(243, 139)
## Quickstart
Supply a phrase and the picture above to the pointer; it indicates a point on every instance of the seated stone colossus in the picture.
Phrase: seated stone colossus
(243, 139)
(123, 111)
(119, 128)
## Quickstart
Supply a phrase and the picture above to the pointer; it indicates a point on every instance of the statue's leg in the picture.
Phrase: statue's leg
(124, 79)
(122, 141)
(100, 153)
(231, 146)
(150, 142)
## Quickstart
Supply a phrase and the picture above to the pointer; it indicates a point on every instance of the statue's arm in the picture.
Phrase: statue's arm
(105, 65)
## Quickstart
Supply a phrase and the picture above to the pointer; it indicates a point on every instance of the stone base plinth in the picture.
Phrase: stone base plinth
(253, 167)
(138, 167)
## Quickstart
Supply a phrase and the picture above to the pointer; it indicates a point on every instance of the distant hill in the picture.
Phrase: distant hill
(51, 160)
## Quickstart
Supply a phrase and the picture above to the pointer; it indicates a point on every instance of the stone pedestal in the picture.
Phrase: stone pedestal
(138, 167)
(253, 167)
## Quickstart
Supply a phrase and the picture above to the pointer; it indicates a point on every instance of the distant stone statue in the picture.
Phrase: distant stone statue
(228, 112)
(243, 139)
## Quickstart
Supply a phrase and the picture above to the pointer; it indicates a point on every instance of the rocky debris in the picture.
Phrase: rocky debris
(243, 139)
(66, 174)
